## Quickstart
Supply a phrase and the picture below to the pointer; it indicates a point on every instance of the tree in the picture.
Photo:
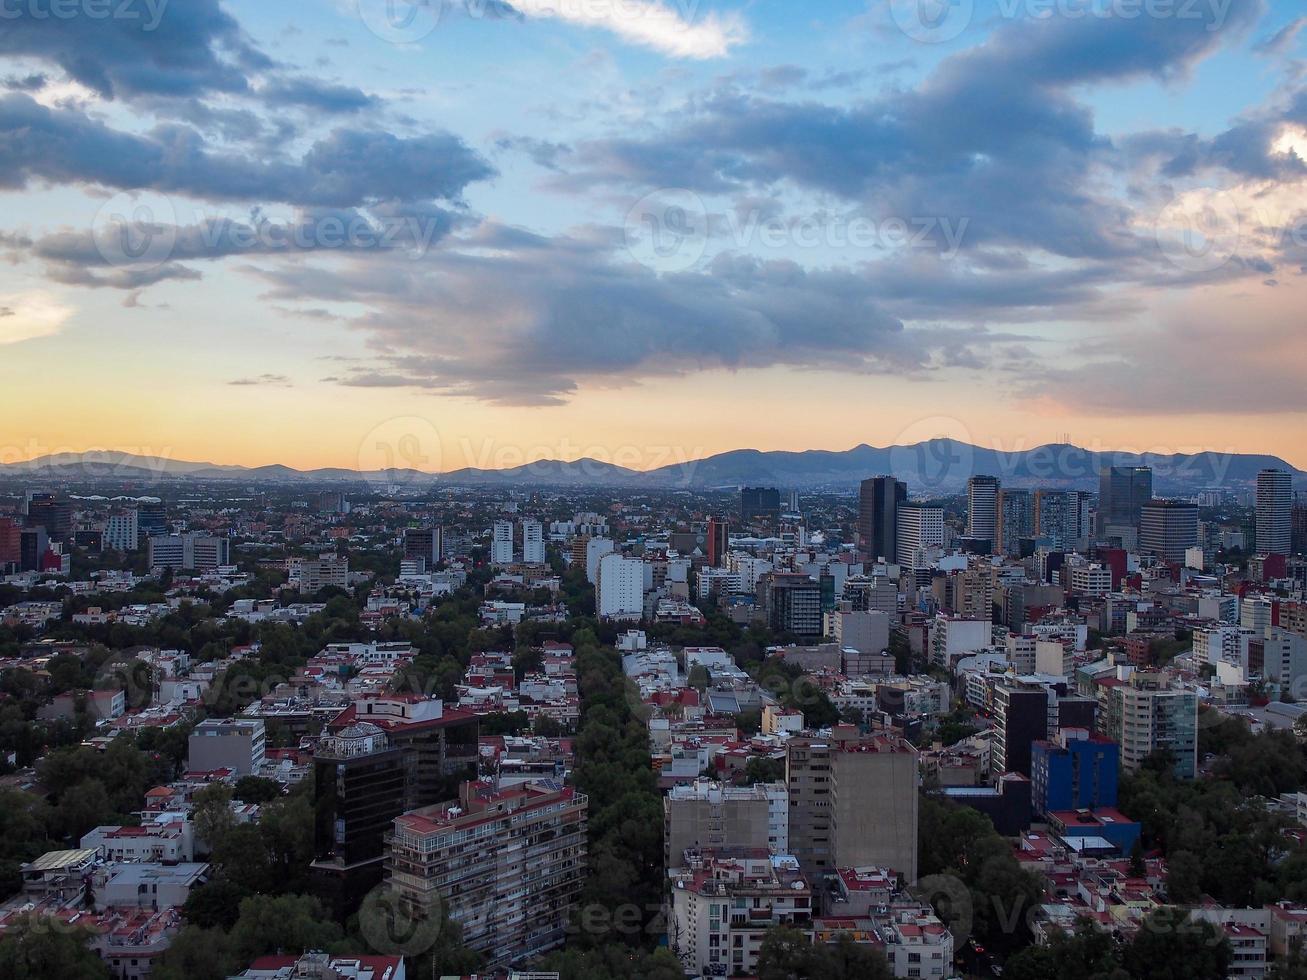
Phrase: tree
(212, 815)
(215, 904)
(269, 923)
(36, 948)
(759, 770)
(256, 789)
(787, 954)
(197, 954)
(1171, 946)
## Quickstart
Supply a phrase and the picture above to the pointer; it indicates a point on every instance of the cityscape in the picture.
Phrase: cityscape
(653, 489)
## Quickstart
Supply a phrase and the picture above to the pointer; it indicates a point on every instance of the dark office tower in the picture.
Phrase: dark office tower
(56, 516)
(1020, 720)
(32, 546)
(793, 602)
(1298, 540)
(11, 534)
(151, 520)
(760, 504)
(1167, 529)
(719, 542)
(878, 516)
(1016, 520)
(982, 508)
(425, 543)
(1274, 512)
(1122, 493)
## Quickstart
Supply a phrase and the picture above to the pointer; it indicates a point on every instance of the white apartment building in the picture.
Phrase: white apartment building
(595, 549)
(122, 532)
(1222, 644)
(533, 542)
(501, 544)
(620, 587)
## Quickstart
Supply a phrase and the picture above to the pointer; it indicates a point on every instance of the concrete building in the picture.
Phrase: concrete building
(189, 552)
(1016, 520)
(619, 588)
(122, 531)
(1274, 512)
(1143, 716)
(506, 865)
(237, 744)
(982, 508)
(708, 815)
(501, 543)
(1167, 529)
(864, 632)
(533, 542)
(791, 602)
(919, 534)
(853, 801)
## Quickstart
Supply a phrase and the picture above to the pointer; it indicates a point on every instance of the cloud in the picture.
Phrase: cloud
(263, 381)
(346, 168)
(31, 315)
(1282, 41)
(649, 23)
(183, 48)
(309, 93)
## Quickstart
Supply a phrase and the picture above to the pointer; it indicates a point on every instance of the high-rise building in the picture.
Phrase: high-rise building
(227, 743)
(52, 513)
(760, 504)
(853, 801)
(1058, 518)
(381, 757)
(1298, 529)
(1167, 529)
(533, 542)
(619, 589)
(919, 534)
(1020, 720)
(1144, 716)
(706, 814)
(1077, 771)
(10, 541)
(1274, 512)
(982, 508)
(1016, 520)
(501, 545)
(878, 503)
(792, 603)
(507, 865)
(719, 542)
(151, 518)
(1122, 493)
(33, 543)
(426, 544)
(122, 532)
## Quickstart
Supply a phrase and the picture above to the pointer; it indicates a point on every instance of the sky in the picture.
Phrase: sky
(442, 233)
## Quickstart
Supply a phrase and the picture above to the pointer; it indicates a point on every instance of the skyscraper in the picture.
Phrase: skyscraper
(919, 530)
(1167, 529)
(501, 545)
(878, 502)
(533, 542)
(1122, 493)
(1016, 520)
(760, 504)
(719, 542)
(982, 508)
(1274, 512)
(426, 543)
(1057, 518)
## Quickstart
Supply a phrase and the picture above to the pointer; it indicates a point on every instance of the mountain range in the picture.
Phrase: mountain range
(941, 465)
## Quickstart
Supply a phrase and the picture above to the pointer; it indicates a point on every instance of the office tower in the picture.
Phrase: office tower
(853, 801)
(426, 544)
(707, 814)
(1057, 518)
(619, 589)
(1274, 512)
(237, 744)
(381, 757)
(122, 531)
(506, 865)
(792, 603)
(314, 575)
(919, 533)
(595, 549)
(1016, 520)
(719, 542)
(1122, 493)
(792, 503)
(982, 508)
(533, 542)
(1298, 520)
(878, 503)
(151, 519)
(1167, 529)
(501, 545)
(1020, 720)
(1076, 771)
(55, 515)
(1144, 716)
(760, 504)
(33, 543)
(332, 503)
(10, 541)
(189, 551)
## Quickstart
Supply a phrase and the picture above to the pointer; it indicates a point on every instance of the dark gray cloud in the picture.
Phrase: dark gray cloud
(25, 83)
(318, 96)
(149, 47)
(346, 168)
